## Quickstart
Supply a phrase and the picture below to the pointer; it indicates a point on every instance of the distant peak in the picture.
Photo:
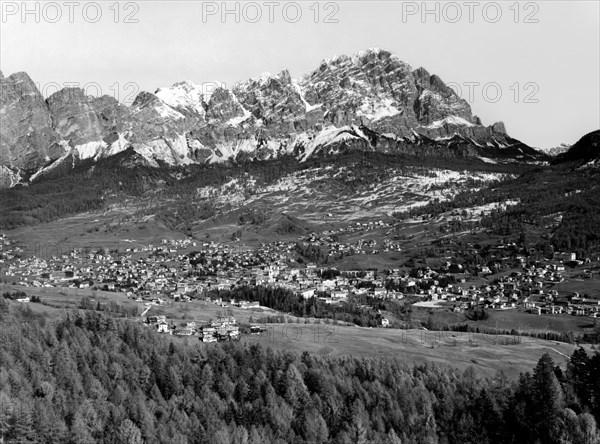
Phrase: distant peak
(369, 51)
(284, 76)
(360, 55)
(264, 77)
(335, 58)
(186, 84)
(19, 75)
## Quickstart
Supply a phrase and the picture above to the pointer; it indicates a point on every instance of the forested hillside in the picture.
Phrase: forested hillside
(92, 186)
(89, 378)
(572, 197)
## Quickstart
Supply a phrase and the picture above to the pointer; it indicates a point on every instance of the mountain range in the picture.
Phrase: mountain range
(370, 101)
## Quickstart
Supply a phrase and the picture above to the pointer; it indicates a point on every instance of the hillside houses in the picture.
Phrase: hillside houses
(219, 329)
(183, 270)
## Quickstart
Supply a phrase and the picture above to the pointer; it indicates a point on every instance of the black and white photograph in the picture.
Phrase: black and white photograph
(300, 222)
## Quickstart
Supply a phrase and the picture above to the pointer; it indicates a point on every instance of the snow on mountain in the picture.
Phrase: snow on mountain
(121, 144)
(450, 120)
(307, 105)
(230, 150)
(50, 167)
(264, 77)
(146, 106)
(262, 80)
(8, 177)
(555, 151)
(90, 149)
(376, 110)
(331, 135)
(173, 151)
(186, 95)
(238, 120)
(260, 118)
(398, 190)
(362, 53)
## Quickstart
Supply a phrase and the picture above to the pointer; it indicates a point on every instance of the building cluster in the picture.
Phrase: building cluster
(220, 329)
(182, 270)
(358, 227)
(529, 288)
(336, 249)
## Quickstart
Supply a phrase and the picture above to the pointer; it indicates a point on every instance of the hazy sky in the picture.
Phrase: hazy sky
(533, 65)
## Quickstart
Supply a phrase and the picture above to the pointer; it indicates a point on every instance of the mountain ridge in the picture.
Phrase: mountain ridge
(322, 112)
(586, 151)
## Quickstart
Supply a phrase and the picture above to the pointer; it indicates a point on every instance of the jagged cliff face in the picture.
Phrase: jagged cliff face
(366, 88)
(27, 136)
(371, 100)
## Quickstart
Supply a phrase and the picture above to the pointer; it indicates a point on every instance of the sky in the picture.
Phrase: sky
(533, 65)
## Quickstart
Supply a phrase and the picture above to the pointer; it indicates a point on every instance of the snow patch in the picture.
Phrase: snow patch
(330, 135)
(307, 105)
(117, 146)
(90, 149)
(450, 120)
(188, 95)
(15, 177)
(54, 164)
(171, 151)
(166, 112)
(376, 110)
(237, 120)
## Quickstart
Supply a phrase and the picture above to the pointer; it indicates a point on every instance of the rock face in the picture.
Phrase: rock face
(371, 100)
(224, 107)
(74, 119)
(27, 137)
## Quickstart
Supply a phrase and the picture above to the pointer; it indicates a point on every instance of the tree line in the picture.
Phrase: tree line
(89, 378)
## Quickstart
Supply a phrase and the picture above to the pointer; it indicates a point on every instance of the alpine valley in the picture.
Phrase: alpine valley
(359, 230)
(361, 138)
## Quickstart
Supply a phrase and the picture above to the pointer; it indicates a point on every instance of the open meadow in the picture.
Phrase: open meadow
(486, 353)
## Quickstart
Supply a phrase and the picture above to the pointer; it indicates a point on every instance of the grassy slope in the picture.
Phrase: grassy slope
(487, 353)
(509, 319)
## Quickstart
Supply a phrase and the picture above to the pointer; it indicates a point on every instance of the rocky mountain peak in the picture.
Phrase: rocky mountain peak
(499, 127)
(150, 106)
(68, 96)
(27, 139)
(74, 119)
(347, 101)
(185, 97)
(225, 107)
(284, 77)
